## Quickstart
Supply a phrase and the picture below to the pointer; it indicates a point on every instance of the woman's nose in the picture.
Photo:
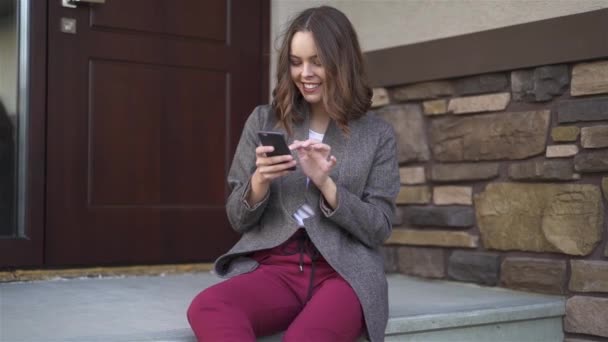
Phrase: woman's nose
(307, 70)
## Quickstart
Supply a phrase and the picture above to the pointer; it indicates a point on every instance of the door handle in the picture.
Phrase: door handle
(74, 3)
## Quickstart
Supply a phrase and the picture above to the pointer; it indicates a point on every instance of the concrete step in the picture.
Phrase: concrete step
(153, 309)
(426, 310)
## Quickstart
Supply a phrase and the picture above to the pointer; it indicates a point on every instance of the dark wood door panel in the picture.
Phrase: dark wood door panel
(124, 139)
(167, 235)
(204, 19)
(196, 136)
(159, 128)
(152, 50)
(142, 124)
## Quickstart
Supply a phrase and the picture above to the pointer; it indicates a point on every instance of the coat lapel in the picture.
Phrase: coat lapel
(335, 138)
(293, 185)
(294, 191)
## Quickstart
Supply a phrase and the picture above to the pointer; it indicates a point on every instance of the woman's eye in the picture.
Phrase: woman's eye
(317, 63)
(296, 63)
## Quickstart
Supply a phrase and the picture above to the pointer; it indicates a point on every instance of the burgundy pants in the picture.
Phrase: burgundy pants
(293, 289)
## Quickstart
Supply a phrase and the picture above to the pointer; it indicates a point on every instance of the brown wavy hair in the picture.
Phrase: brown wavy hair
(346, 93)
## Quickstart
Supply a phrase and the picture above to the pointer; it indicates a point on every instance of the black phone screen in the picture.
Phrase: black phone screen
(276, 140)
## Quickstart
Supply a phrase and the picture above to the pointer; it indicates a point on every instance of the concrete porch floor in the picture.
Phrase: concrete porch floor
(153, 309)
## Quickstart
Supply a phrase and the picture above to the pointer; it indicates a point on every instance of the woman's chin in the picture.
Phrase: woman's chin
(312, 99)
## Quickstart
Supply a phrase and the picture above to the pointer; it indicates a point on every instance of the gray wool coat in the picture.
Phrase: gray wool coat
(349, 237)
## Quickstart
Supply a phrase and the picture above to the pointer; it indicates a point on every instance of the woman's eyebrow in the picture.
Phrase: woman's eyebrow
(294, 56)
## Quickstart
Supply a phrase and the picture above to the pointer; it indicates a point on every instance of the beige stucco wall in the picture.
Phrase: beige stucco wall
(386, 23)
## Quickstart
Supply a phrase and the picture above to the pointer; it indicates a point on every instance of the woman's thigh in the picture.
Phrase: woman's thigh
(257, 300)
(333, 313)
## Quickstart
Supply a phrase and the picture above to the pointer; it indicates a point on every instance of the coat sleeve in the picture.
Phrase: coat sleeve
(369, 217)
(241, 215)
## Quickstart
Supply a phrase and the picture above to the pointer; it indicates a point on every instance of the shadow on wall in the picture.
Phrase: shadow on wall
(7, 166)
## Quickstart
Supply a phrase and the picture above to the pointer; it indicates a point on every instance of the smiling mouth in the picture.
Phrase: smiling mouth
(310, 87)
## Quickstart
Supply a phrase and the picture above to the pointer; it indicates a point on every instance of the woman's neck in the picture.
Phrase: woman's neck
(319, 119)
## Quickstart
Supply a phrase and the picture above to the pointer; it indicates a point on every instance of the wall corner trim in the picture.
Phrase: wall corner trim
(563, 39)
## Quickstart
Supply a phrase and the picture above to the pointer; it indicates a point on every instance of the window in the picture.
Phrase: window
(14, 41)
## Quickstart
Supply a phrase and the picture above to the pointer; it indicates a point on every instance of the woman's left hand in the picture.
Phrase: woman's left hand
(315, 159)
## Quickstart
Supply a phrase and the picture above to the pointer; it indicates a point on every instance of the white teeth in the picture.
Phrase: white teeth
(311, 85)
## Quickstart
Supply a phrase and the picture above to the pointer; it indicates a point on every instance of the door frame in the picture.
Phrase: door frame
(29, 250)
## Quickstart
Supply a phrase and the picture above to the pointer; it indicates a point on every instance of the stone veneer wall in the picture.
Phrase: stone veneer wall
(502, 177)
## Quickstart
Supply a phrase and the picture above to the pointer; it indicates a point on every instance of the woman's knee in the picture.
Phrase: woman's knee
(206, 300)
(213, 316)
(195, 306)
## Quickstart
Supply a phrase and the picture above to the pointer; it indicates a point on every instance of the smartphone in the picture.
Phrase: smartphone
(276, 140)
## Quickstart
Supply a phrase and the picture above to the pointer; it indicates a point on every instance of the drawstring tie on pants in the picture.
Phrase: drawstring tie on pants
(303, 246)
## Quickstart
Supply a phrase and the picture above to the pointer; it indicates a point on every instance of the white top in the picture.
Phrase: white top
(305, 211)
(315, 136)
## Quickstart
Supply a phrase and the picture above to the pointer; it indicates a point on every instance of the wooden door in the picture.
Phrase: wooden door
(146, 102)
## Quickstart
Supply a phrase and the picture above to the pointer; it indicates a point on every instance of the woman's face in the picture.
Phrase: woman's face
(306, 70)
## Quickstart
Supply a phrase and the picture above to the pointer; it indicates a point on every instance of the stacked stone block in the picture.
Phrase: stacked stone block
(505, 182)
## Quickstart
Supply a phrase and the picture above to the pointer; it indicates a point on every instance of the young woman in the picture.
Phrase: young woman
(308, 261)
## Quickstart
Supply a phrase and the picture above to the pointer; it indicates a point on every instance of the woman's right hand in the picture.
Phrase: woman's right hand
(267, 169)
